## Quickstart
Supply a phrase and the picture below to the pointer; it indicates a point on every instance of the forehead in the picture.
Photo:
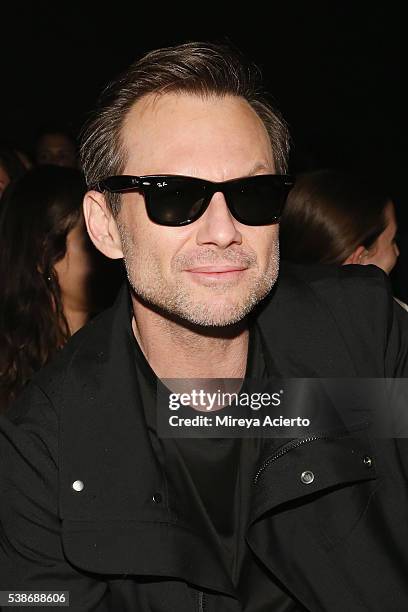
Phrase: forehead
(190, 134)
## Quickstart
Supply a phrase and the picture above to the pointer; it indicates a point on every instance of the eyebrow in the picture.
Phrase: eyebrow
(259, 166)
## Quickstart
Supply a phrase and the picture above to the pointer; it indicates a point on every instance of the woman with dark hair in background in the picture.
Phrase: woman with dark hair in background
(45, 269)
(334, 217)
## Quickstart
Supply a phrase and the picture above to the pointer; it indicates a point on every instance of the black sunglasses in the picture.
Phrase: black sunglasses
(179, 200)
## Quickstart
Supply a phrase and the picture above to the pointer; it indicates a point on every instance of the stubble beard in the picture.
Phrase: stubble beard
(149, 284)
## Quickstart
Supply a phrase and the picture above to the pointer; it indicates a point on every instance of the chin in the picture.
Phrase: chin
(205, 314)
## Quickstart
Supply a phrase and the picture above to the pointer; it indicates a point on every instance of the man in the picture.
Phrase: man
(56, 147)
(186, 167)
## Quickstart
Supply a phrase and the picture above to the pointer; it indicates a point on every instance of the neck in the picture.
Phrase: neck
(177, 350)
(76, 315)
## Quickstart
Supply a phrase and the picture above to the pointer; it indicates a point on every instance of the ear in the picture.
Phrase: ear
(357, 256)
(101, 225)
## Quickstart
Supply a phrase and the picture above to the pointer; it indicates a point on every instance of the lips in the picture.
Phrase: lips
(216, 269)
(216, 274)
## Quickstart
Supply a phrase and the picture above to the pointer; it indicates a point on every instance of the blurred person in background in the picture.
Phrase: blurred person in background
(56, 146)
(335, 217)
(45, 271)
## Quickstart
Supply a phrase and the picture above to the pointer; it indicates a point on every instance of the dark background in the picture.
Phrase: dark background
(337, 72)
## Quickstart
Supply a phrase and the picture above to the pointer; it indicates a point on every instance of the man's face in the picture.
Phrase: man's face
(57, 150)
(213, 271)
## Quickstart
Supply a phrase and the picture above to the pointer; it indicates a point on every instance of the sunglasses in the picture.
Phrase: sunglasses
(179, 200)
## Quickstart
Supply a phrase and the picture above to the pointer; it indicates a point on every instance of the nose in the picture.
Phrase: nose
(217, 226)
(396, 249)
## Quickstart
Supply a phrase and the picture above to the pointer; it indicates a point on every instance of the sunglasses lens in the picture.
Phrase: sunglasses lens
(257, 200)
(173, 201)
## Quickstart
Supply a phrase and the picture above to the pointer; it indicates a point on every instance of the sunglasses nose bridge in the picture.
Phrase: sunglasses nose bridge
(212, 190)
(227, 198)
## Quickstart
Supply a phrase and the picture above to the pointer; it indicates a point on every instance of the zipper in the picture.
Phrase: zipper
(295, 443)
(201, 601)
(282, 451)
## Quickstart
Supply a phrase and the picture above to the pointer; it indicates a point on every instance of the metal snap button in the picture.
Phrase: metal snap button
(157, 498)
(307, 477)
(368, 462)
(78, 485)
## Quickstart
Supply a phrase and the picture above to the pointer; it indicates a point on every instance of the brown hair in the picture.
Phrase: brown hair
(202, 69)
(328, 214)
(40, 209)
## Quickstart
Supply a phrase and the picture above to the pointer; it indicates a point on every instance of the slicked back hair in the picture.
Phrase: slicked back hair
(328, 214)
(203, 69)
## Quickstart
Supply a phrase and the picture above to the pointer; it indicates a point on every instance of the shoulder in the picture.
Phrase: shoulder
(357, 280)
(349, 306)
(341, 290)
(80, 365)
(45, 387)
(40, 402)
(332, 288)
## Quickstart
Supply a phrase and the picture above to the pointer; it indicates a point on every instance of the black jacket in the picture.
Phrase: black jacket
(338, 544)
